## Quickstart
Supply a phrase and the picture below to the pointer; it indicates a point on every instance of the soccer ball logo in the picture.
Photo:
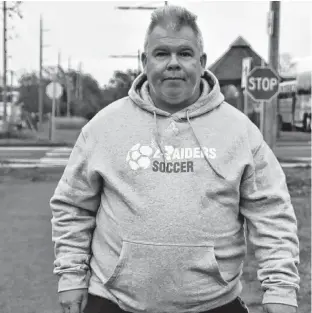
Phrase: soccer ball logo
(139, 157)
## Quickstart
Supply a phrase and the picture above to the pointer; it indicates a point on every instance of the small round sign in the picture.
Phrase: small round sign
(54, 91)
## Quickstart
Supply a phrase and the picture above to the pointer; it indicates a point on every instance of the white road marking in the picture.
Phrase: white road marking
(24, 148)
(54, 160)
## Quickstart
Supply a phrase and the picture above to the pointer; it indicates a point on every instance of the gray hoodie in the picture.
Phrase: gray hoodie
(150, 209)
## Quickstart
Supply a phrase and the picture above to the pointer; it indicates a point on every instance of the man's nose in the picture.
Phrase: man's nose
(173, 63)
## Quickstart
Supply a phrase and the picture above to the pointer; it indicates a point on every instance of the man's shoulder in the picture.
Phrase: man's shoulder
(109, 116)
(241, 124)
(115, 108)
(228, 110)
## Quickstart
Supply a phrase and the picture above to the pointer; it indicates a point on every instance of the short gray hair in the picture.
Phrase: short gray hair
(175, 17)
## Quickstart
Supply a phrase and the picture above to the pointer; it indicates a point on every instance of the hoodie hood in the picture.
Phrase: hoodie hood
(210, 98)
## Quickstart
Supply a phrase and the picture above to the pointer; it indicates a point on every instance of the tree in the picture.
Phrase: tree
(119, 86)
(90, 100)
(286, 64)
(87, 97)
(123, 80)
(28, 93)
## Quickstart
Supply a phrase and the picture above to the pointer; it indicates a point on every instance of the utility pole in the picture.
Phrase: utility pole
(59, 61)
(40, 85)
(12, 77)
(69, 87)
(40, 89)
(78, 86)
(139, 61)
(80, 82)
(270, 110)
(58, 103)
(5, 9)
(4, 93)
(138, 56)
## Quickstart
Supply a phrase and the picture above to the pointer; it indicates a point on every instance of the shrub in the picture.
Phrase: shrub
(70, 122)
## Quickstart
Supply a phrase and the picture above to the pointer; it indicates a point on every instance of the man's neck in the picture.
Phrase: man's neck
(173, 108)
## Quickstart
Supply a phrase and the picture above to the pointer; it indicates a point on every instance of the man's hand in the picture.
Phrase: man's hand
(74, 301)
(279, 308)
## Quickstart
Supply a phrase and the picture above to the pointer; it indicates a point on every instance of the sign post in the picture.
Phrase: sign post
(54, 91)
(246, 66)
(262, 104)
(262, 85)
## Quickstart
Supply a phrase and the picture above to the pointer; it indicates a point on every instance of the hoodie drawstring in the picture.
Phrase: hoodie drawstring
(157, 138)
(201, 148)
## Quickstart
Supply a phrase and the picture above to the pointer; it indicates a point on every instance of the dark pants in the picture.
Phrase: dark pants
(100, 305)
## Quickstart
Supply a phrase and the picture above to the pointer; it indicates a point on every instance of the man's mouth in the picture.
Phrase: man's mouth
(173, 78)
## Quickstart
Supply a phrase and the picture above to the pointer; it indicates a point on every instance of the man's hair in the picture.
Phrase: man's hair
(174, 17)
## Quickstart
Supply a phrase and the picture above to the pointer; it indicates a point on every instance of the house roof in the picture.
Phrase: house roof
(229, 65)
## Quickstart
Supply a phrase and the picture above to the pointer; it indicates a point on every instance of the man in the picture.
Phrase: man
(149, 213)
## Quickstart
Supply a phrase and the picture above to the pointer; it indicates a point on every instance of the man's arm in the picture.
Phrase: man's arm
(74, 206)
(272, 226)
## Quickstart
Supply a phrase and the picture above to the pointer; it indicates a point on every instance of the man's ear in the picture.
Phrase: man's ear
(144, 61)
(203, 62)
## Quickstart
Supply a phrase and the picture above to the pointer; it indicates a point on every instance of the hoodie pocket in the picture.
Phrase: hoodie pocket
(151, 276)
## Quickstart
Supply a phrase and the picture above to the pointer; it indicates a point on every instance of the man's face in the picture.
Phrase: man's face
(173, 64)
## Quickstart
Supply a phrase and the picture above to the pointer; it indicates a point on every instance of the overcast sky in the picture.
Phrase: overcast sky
(91, 31)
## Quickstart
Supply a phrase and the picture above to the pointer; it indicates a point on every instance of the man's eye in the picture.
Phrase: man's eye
(161, 54)
(185, 54)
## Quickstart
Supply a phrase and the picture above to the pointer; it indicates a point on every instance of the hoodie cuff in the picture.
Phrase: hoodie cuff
(71, 281)
(282, 296)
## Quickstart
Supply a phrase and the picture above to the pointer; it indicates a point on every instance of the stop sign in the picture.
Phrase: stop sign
(262, 83)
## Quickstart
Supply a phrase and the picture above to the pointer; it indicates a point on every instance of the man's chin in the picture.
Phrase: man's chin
(173, 98)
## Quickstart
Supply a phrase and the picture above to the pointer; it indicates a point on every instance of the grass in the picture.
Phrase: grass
(66, 130)
(66, 133)
(27, 284)
(74, 122)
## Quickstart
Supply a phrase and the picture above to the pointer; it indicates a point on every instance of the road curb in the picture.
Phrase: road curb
(34, 144)
(306, 160)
